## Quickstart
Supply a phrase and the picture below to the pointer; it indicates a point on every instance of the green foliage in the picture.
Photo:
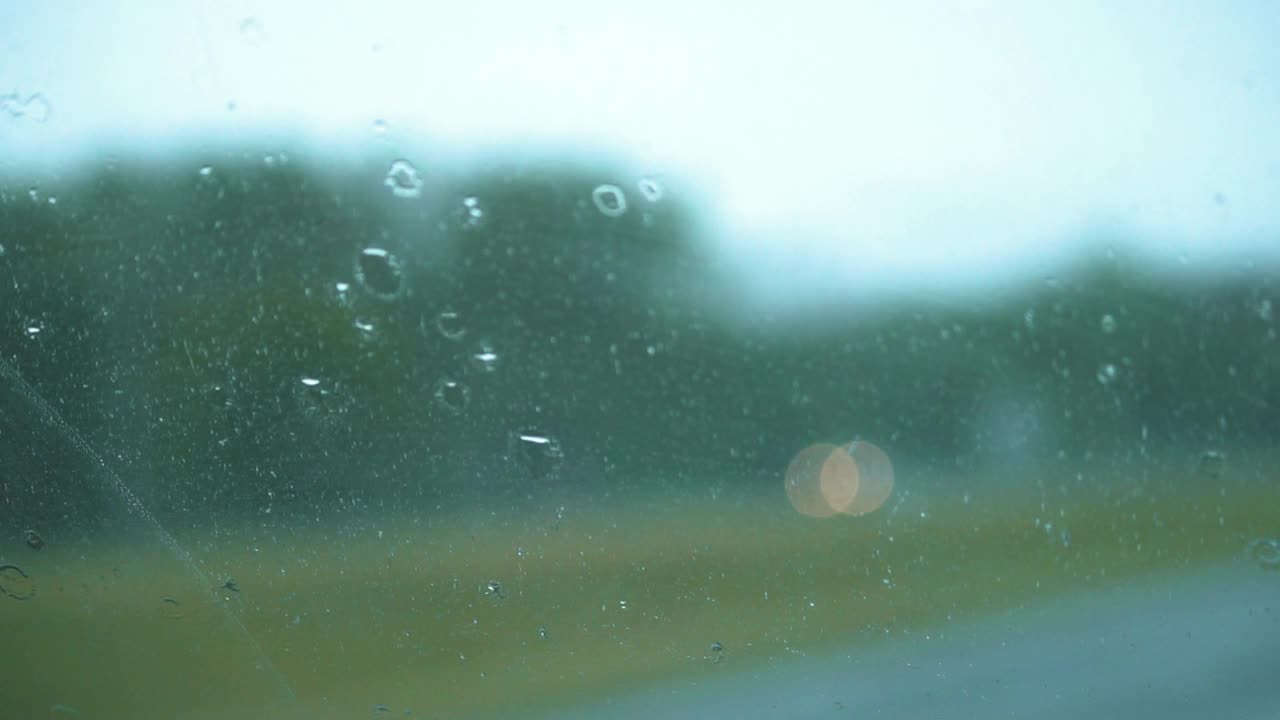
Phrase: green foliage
(180, 311)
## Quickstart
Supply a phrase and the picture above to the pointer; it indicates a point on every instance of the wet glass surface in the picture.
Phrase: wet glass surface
(393, 426)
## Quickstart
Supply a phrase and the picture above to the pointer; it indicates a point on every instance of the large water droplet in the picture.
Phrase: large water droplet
(1108, 324)
(16, 583)
(1264, 310)
(379, 272)
(449, 324)
(535, 455)
(485, 358)
(452, 395)
(1266, 552)
(609, 200)
(403, 180)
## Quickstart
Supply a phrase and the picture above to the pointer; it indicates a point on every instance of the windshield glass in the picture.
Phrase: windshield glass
(657, 361)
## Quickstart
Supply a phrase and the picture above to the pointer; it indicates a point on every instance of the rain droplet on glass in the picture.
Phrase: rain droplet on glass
(452, 395)
(379, 272)
(536, 455)
(449, 324)
(1107, 374)
(650, 189)
(1266, 552)
(609, 200)
(403, 180)
(485, 359)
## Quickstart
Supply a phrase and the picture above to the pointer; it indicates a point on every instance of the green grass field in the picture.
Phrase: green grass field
(458, 615)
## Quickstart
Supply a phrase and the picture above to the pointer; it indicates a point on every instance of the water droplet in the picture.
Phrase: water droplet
(472, 214)
(1264, 310)
(33, 539)
(403, 180)
(449, 324)
(269, 160)
(379, 272)
(318, 398)
(1107, 374)
(34, 194)
(33, 107)
(206, 171)
(1029, 319)
(542, 632)
(609, 200)
(485, 359)
(1108, 324)
(380, 126)
(15, 583)
(340, 293)
(217, 395)
(365, 326)
(494, 589)
(170, 608)
(1266, 552)
(536, 455)
(33, 328)
(452, 395)
(650, 189)
(622, 604)
(1212, 463)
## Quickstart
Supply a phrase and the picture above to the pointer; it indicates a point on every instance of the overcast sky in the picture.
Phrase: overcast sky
(887, 139)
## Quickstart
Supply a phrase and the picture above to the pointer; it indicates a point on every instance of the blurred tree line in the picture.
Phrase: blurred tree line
(271, 332)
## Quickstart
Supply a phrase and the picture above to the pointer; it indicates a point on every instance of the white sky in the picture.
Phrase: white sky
(888, 139)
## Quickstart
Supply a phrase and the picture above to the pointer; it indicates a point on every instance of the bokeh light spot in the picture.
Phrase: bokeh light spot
(875, 474)
(821, 480)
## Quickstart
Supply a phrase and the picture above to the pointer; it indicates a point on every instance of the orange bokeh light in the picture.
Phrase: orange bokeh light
(825, 480)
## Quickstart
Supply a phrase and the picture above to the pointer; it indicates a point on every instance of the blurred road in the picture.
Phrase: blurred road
(1197, 646)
